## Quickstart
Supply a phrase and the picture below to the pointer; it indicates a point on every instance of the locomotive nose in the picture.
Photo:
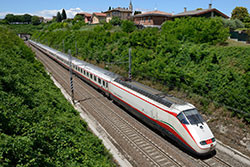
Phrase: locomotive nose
(208, 144)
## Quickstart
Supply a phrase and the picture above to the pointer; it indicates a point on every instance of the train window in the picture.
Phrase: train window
(84, 72)
(194, 116)
(94, 77)
(182, 118)
(99, 81)
(87, 73)
(103, 83)
(81, 70)
(91, 76)
(106, 84)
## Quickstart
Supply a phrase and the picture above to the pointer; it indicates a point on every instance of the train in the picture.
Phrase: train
(173, 117)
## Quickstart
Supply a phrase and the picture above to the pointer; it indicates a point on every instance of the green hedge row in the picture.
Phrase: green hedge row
(183, 55)
(38, 127)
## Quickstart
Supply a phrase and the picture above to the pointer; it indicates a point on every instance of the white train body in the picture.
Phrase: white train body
(173, 117)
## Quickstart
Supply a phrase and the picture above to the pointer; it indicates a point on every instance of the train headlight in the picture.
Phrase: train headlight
(203, 143)
(209, 141)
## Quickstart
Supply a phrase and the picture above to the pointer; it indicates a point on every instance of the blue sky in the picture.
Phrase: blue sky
(47, 8)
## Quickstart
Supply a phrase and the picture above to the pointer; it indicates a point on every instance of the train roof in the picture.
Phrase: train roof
(80, 63)
(92, 67)
(160, 97)
(163, 98)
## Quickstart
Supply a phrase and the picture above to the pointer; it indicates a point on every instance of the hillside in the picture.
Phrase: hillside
(184, 55)
(191, 59)
(38, 127)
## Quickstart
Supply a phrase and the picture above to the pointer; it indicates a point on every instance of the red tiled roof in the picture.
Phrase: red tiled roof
(99, 14)
(199, 12)
(154, 13)
(85, 14)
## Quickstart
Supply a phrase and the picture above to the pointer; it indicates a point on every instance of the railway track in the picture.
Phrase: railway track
(143, 148)
(214, 162)
(147, 148)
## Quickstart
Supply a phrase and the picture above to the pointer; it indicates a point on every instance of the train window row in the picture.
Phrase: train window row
(91, 76)
(63, 60)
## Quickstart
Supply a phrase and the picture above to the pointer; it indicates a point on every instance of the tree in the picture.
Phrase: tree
(35, 20)
(240, 13)
(64, 16)
(116, 21)
(247, 22)
(196, 29)
(128, 26)
(233, 23)
(10, 18)
(110, 8)
(58, 17)
(239, 24)
(19, 18)
(79, 17)
(27, 18)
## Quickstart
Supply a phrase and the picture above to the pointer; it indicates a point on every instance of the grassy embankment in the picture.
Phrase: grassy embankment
(38, 127)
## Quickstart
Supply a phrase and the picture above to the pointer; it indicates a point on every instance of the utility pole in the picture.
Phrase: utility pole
(130, 61)
(63, 47)
(71, 77)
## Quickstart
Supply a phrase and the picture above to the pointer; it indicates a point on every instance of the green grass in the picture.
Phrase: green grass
(231, 42)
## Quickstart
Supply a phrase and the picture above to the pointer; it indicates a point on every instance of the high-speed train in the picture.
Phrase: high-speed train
(173, 117)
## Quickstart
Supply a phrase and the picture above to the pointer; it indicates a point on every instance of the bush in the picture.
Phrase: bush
(116, 21)
(128, 26)
(38, 127)
(233, 24)
(107, 26)
(181, 55)
(197, 30)
(35, 20)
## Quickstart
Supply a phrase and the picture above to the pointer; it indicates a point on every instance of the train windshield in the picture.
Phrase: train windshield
(182, 118)
(194, 116)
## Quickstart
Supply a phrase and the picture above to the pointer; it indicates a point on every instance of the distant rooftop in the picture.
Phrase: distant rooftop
(154, 13)
(99, 14)
(84, 13)
(199, 12)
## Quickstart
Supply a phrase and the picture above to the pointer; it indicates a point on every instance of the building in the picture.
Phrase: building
(122, 13)
(41, 19)
(98, 18)
(86, 16)
(152, 18)
(210, 12)
(47, 20)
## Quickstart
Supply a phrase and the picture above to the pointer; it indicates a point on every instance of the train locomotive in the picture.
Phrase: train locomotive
(173, 117)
